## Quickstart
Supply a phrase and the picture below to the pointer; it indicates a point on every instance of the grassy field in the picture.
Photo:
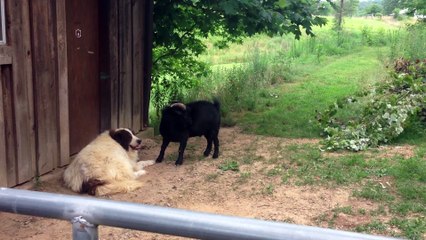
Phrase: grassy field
(318, 86)
(274, 86)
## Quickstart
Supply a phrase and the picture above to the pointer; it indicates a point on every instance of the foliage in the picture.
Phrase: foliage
(366, 3)
(389, 6)
(373, 9)
(343, 8)
(351, 7)
(180, 27)
(410, 45)
(384, 110)
(339, 13)
(396, 14)
(240, 87)
(323, 9)
(418, 6)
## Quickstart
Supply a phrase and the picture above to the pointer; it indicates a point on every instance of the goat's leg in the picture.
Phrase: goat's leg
(182, 147)
(216, 146)
(163, 149)
(209, 145)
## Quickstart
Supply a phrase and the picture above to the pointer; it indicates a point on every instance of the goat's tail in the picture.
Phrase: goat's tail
(216, 103)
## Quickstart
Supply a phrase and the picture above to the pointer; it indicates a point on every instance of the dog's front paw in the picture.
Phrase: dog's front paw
(139, 173)
(142, 164)
(150, 162)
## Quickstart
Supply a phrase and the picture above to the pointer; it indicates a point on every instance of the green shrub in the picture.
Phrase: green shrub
(385, 110)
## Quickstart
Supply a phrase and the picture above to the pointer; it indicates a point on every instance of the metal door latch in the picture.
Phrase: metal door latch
(77, 33)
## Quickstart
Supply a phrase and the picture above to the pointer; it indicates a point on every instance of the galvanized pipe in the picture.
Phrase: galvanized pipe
(160, 219)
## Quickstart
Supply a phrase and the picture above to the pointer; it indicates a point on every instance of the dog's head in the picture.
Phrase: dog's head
(126, 139)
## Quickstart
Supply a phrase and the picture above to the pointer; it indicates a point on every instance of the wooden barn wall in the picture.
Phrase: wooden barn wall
(31, 74)
(45, 84)
(128, 63)
(34, 130)
(17, 97)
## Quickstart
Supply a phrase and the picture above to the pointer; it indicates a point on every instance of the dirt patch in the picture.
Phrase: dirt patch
(200, 185)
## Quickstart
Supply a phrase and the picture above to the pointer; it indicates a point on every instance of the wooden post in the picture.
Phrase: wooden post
(3, 165)
(62, 70)
(45, 85)
(20, 41)
(125, 63)
(147, 54)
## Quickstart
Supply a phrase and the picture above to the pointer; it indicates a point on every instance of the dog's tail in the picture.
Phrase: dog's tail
(72, 177)
(123, 186)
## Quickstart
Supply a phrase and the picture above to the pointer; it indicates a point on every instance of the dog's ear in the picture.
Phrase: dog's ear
(121, 136)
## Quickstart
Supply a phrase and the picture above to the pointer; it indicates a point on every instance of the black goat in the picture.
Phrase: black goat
(180, 122)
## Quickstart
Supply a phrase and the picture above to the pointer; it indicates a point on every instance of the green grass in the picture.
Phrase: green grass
(230, 166)
(375, 192)
(375, 226)
(310, 167)
(292, 113)
(412, 228)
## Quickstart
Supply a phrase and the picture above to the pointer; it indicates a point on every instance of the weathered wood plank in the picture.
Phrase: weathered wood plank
(125, 50)
(62, 71)
(138, 24)
(17, 13)
(147, 55)
(114, 61)
(3, 155)
(104, 65)
(9, 126)
(5, 59)
(45, 85)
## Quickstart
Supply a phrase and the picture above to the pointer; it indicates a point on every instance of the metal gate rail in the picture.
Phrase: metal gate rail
(86, 213)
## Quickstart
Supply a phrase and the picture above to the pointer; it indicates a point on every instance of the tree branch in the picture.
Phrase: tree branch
(173, 51)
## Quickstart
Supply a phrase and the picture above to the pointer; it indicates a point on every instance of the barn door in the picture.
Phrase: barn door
(83, 71)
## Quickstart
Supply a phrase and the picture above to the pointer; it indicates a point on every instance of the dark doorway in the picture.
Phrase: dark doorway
(83, 71)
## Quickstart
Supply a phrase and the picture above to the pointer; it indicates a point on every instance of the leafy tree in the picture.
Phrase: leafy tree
(323, 9)
(339, 7)
(180, 26)
(343, 8)
(396, 13)
(365, 4)
(389, 6)
(351, 7)
(418, 6)
(373, 9)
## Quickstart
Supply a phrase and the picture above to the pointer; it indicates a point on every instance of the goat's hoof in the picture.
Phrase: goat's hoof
(158, 160)
(178, 163)
(216, 155)
(206, 154)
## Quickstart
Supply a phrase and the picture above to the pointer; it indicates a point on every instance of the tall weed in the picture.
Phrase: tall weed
(410, 45)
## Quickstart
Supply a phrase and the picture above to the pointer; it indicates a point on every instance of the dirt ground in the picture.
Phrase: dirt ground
(200, 185)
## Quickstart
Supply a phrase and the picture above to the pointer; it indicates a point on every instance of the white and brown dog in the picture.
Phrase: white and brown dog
(107, 165)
